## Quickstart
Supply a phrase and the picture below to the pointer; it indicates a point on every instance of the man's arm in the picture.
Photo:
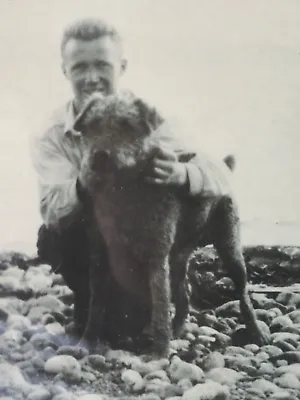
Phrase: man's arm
(196, 172)
(57, 181)
(207, 177)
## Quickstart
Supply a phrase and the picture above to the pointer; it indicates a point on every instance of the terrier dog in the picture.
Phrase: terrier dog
(149, 230)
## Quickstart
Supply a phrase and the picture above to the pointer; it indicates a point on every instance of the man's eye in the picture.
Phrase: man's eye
(103, 65)
(79, 67)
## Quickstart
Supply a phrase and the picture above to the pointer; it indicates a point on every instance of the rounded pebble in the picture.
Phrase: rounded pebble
(288, 381)
(62, 363)
(265, 386)
(207, 391)
(213, 360)
(180, 369)
(92, 397)
(39, 394)
(133, 379)
(224, 376)
(74, 351)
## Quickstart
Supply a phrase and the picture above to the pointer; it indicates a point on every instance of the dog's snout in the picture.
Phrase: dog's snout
(101, 159)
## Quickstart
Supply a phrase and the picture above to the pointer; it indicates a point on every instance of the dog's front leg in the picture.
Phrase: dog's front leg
(160, 326)
(98, 284)
(179, 285)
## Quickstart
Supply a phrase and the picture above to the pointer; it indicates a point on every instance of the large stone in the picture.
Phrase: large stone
(40, 394)
(238, 351)
(62, 364)
(11, 377)
(37, 313)
(292, 368)
(207, 391)
(133, 380)
(163, 389)
(288, 381)
(51, 303)
(42, 340)
(292, 338)
(213, 360)
(224, 376)
(263, 315)
(265, 386)
(291, 357)
(76, 352)
(19, 322)
(266, 368)
(9, 285)
(145, 368)
(160, 374)
(283, 395)
(55, 328)
(271, 350)
(39, 283)
(92, 397)
(280, 323)
(295, 316)
(262, 356)
(180, 369)
(207, 331)
(179, 344)
(230, 309)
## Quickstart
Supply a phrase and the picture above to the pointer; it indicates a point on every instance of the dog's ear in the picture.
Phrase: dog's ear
(149, 115)
(86, 114)
(230, 161)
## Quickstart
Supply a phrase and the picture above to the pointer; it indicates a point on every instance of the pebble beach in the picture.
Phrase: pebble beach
(210, 361)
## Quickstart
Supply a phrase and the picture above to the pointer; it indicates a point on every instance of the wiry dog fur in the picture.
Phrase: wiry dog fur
(150, 231)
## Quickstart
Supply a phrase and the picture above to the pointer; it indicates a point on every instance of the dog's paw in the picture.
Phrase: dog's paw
(262, 334)
(83, 343)
(144, 341)
(258, 334)
(88, 344)
(73, 329)
(177, 330)
(147, 344)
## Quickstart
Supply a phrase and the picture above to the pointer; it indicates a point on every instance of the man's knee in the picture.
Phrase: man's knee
(48, 246)
(68, 253)
(64, 251)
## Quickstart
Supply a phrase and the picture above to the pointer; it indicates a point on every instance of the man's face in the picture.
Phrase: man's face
(93, 66)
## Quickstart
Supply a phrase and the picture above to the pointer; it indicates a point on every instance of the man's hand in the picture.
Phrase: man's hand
(165, 169)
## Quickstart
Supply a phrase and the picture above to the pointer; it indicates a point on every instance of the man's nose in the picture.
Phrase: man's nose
(92, 75)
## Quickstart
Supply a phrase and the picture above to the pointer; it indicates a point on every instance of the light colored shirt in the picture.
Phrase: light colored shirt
(57, 151)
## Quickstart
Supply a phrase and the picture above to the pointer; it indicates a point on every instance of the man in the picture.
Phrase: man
(93, 61)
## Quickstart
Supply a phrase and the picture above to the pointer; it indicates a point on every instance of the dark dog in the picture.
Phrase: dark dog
(149, 231)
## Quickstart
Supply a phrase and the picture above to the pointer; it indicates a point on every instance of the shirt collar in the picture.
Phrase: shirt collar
(70, 117)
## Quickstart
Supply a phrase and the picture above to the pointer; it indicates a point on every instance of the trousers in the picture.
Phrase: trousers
(67, 253)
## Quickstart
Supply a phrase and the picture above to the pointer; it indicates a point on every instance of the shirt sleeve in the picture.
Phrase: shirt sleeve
(57, 176)
(207, 177)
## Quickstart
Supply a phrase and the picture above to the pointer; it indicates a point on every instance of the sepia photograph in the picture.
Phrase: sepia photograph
(150, 200)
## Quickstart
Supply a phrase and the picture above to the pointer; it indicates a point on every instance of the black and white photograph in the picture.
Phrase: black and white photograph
(149, 200)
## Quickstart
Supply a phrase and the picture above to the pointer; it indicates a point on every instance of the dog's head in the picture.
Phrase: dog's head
(118, 131)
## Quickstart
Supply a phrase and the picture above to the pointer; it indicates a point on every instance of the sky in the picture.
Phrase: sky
(226, 73)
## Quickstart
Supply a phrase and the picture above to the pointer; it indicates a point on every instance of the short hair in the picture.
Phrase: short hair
(89, 29)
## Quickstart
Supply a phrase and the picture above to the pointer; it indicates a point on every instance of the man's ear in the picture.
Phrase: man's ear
(81, 120)
(63, 68)
(124, 64)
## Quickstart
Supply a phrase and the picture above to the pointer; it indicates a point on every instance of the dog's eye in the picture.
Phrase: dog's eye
(125, 124)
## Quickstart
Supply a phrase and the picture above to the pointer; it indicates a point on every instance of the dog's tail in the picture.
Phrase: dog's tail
(230, 161)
